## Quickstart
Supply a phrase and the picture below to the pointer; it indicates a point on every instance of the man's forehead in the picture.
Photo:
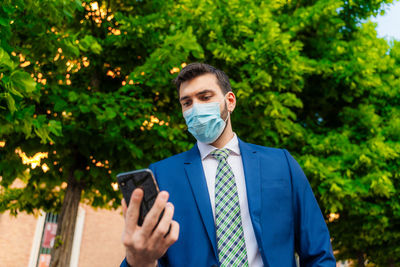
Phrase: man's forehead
(203, 82)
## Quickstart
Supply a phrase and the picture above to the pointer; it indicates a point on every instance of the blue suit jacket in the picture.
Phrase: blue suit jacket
(284, 213)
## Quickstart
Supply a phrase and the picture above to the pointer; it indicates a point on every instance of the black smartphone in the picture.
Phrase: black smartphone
(144, 179)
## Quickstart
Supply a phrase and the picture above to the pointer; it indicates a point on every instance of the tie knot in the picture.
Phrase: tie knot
(220, 154)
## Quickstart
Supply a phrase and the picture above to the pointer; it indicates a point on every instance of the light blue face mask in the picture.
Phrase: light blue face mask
(204, 121)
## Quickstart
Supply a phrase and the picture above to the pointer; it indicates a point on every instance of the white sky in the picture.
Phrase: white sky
(389, 24)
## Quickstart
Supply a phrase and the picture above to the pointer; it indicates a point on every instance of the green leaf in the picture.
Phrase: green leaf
(90, 43)
(60, 105)
(72, 96)
(4, 22)
(10, 102)
(70, 48)
(110, 114)
(22, 81)
(6, 60)
(55, 127)
(96, 47)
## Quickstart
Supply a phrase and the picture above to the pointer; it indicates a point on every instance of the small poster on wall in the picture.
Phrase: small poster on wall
(50, 231)
(44, 260)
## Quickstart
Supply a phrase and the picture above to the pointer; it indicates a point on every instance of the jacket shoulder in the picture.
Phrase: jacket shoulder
(264, 149)
(175, 159)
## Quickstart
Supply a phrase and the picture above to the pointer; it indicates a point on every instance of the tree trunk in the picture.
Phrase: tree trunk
(360, 260)
(61, 252)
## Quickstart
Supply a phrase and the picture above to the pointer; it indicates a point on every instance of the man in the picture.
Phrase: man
(233, 203)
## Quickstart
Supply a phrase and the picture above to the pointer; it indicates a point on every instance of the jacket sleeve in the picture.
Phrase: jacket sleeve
(312, 240)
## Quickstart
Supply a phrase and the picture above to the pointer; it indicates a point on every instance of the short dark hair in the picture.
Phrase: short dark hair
(196, 69)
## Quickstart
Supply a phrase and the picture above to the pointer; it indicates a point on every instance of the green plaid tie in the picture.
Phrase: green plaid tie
(230, 237)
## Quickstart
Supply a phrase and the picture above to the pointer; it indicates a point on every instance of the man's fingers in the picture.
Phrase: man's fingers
(173, 235)
(132, 213)
(165, 223)
(151, 219)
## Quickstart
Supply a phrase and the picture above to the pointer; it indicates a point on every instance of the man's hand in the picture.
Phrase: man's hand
(147, 243)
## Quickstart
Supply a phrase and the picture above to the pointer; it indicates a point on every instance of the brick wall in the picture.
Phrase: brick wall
(16, 236)
(101, 238)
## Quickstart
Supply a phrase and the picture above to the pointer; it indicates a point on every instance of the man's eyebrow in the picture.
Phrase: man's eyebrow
(183, 98)
(205, 91)
(199, 93)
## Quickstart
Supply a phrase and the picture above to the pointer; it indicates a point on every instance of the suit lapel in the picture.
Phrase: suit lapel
(196, 177)
(252, 174)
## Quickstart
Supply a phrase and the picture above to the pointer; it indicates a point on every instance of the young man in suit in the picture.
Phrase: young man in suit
(227, 202)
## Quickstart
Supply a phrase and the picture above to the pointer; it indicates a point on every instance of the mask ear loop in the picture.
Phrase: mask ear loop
(227, 117)
(229, 113)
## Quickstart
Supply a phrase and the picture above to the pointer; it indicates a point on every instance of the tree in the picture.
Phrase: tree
(311, 74)
(88, 100)
(351, 151)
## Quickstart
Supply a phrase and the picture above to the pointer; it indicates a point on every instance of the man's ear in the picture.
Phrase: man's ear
(231, 101)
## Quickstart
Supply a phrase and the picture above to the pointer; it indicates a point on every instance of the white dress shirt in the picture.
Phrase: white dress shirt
(210, 165)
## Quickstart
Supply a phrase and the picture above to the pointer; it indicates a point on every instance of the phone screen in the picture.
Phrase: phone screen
(129, 181)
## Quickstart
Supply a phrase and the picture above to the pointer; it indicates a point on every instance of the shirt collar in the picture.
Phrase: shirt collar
(206, 149)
